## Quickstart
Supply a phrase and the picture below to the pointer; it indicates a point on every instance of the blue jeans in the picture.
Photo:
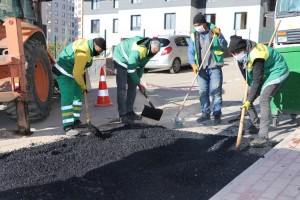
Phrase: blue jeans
(210, 84)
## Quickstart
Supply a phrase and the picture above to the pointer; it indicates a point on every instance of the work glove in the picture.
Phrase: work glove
(195, 68)
(246, 105)
(216, 31)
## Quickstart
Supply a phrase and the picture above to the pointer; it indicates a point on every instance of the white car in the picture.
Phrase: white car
(172, 55)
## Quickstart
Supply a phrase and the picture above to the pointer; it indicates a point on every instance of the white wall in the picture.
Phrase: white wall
(152, 20)
(225, 21)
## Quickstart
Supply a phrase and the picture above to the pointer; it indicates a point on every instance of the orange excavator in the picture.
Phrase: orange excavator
(26, 82)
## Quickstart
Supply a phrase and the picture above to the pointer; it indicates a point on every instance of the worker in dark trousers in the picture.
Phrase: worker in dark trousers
(264, 70)
(69, 74)
(130, 58)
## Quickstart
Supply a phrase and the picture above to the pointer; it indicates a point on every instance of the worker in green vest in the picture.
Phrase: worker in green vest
(130, 57)
(69, 74)
(264, 70)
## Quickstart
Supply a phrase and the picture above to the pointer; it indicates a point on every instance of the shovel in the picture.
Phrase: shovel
(150, 111)
(93, 129)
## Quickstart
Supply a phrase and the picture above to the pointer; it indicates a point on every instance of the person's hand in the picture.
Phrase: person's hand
(246, 105)
(195, 68)
(142, 88)
(84, 90)
(216, 31)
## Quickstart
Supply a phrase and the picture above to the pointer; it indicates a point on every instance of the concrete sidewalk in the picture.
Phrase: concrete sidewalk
(274, 177)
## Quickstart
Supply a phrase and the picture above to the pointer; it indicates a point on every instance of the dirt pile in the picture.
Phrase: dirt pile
(138, 162)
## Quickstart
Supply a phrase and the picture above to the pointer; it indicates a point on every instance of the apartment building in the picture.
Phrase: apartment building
(59, 21)
(117, 19)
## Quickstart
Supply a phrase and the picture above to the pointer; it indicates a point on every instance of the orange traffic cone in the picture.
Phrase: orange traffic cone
(103, 98)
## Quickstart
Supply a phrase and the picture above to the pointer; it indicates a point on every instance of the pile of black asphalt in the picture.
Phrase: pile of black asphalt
(136, 162)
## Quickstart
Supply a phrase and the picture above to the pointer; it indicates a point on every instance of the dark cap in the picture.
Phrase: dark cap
(237, 44)
(199, 18)
(100, 42)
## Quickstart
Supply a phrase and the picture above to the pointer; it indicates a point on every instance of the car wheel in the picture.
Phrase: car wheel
(175, 68)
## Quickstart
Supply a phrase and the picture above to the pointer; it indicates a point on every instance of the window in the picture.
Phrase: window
(96, 4)
(170, 21)
(55, 4)
(240, 21)
(136, 1)
(56, 21)
(135, 22)
(169, 0)
(63, 6)
(63, 14)
(116, 3)
(115, 25)
(56, 30)
(211, 18)
(55, 13)
(181, 41)
(95, 26)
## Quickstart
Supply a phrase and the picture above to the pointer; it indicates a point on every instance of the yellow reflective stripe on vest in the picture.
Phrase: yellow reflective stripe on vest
(83, 45)
(259, 51)
(141, 49)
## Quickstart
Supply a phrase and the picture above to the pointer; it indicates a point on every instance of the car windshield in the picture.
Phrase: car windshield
(287, 7)
(163, 41)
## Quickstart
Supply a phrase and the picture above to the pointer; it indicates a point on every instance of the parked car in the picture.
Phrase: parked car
(172, 55)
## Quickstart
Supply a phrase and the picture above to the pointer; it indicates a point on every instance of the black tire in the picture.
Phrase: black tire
(38, 107)
(176, 65)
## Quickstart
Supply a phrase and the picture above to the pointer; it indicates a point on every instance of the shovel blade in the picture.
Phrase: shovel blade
(152, 113)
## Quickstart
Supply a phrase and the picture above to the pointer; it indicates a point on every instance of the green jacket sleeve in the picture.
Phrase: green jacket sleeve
(140, 71)
(78, 70)
(133, 61)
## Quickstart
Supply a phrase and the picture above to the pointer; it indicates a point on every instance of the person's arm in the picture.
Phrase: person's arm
(223, 42)
(191, 52)
(243, 71)
(258, 79)
(133, 60)
(78, 70)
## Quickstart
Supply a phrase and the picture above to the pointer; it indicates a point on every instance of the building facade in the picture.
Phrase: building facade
(59, 21)
(117, 19)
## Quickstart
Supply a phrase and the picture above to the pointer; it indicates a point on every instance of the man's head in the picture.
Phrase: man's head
(99, 46)
(237, 47)
(154, 47)
(199, 23)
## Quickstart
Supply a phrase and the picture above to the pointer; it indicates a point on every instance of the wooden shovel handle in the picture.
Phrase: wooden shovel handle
(150, 103)
(240, 133)
(87, 110)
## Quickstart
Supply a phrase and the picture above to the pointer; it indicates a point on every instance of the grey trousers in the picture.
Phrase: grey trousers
(265, 110)
(126, 90)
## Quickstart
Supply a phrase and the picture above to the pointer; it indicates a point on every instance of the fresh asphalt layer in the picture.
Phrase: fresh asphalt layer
(141, 161)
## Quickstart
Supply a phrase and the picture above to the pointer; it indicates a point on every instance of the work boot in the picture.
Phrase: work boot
(251, 130)
(79, 124)
(217, 119)
(124, 119)
(260, 142)
(71, 132)
(133, 116)
(204, 117)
